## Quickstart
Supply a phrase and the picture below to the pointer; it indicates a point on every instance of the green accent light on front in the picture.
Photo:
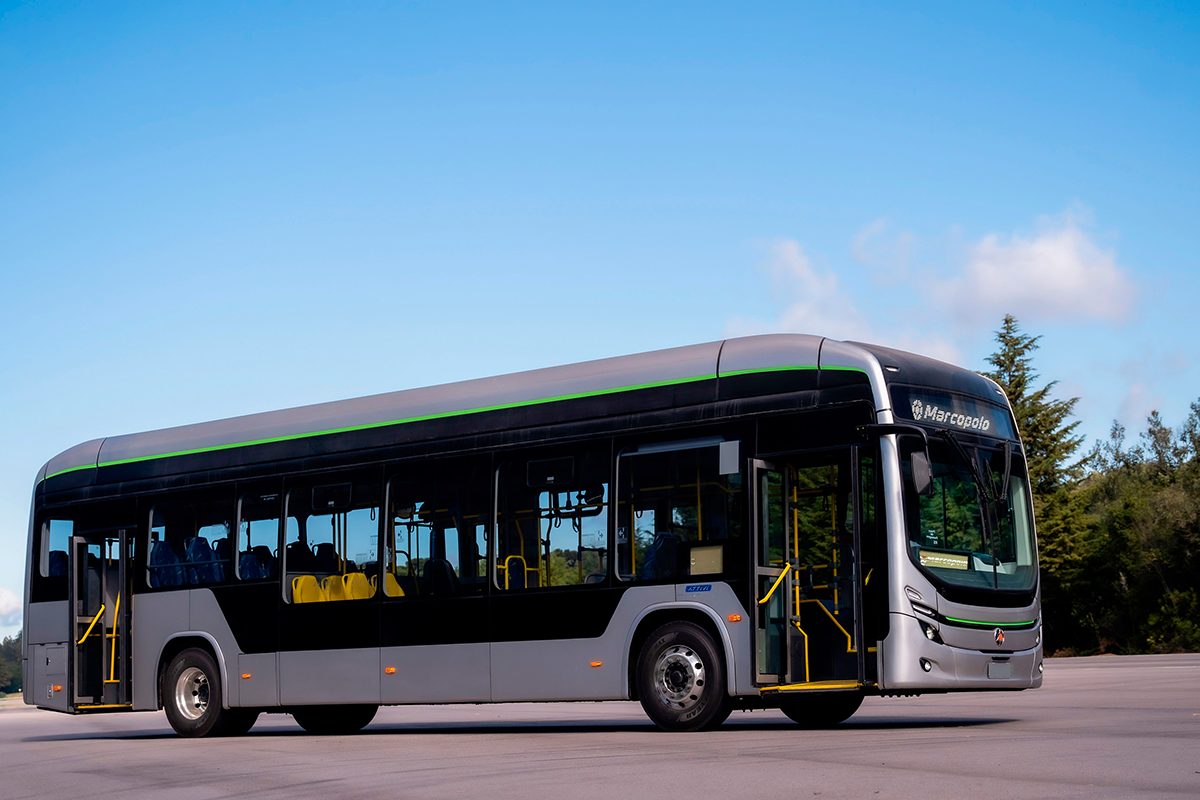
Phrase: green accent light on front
(983, 624)
(436, 416)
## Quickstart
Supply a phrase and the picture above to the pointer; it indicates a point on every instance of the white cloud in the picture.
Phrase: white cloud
(926, 345)
(889, 254)
(1138, 398)
(814, 302)
(10, 608)
(1137, 403)
(1058, 274)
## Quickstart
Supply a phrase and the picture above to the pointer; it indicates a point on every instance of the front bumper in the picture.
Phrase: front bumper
(911, 662)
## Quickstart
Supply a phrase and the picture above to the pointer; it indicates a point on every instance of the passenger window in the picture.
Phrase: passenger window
(258, 536)
(332, 550)
(436, 536)
(553, 521)
(56, 538)
(190, 542)
(675, 514)
(49, 579)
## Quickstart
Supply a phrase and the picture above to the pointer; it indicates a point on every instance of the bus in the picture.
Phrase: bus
(778, 521)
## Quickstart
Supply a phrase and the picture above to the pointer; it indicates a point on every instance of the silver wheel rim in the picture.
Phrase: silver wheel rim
(191, 693)
(679, 677)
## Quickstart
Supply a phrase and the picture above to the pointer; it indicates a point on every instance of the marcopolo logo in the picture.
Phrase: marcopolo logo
(928, 412)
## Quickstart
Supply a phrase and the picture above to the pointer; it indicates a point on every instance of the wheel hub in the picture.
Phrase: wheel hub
(679, 677)
(192, 693)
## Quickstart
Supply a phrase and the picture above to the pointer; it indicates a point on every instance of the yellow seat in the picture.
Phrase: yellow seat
(357, 587)
(335, 588)
(391, 586)
(305, 589)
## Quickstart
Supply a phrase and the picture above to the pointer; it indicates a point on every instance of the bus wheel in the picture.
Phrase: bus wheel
(191, 693)
(238, 721)
(334, 719)
(681, 679)
(821, 710)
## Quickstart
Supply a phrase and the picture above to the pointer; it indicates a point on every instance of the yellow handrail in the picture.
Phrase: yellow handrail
(112, 652)
(774, 586)
(95, 619)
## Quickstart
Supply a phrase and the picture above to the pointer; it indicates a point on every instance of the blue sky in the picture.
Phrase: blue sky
(219, 208)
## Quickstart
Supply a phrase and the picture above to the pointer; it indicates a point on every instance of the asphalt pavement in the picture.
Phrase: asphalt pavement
(1103, 727)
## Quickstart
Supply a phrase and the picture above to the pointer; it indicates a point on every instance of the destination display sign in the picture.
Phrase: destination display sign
(945, 410)
(930, 558)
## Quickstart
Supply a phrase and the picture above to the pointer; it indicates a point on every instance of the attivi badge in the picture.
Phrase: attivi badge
(699, 587)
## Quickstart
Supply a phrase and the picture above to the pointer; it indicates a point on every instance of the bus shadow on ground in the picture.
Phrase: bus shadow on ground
(501, 727)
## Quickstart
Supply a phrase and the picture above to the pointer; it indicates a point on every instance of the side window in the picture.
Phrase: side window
(437, 527)
(258, 536)
(552, 526)
(190, 541)
(50, 574)
(675, 515)
(332, 539)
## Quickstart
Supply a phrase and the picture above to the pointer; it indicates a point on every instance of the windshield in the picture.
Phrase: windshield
(968, 531)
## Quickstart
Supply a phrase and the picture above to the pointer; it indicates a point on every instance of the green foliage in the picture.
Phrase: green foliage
(1119, 530)
(1142, 504)
(10, 665)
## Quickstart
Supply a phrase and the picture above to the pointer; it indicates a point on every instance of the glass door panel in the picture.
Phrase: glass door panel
(772, 578)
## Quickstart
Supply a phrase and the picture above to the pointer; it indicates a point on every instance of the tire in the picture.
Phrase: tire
(680, 677)
(191, 695)
(238, 721)
(333, 720)
(821, 710)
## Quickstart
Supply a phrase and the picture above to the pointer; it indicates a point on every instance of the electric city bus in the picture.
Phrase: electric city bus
(779, 521)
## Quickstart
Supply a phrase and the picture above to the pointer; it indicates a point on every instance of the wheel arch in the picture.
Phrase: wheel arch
(182, 641)
(659, 614)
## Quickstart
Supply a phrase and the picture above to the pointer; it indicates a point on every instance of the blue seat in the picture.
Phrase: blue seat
(327, 558)
(202, 566)
(662, 557)
(266, 559)
(165, 569)
(250, 568)
(223, 553)
(299, 558)
(439, 578)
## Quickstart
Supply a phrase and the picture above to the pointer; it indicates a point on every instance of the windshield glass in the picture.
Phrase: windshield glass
(972, 535)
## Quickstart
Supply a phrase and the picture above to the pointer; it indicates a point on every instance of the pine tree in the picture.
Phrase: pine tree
(1050, 440)
(1050, 444)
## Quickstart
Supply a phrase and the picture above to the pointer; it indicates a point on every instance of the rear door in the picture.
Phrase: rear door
(98, 652)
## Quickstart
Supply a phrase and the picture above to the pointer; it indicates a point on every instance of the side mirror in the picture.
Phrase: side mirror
(922, 473)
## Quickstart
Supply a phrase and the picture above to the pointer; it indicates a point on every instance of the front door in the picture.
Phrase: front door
(99, 602)
(808, 512)
(824, 503)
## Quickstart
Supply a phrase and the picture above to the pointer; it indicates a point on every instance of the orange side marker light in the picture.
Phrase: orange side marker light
(389, 670)
(596, 664)
(246, 676)
(734, 618)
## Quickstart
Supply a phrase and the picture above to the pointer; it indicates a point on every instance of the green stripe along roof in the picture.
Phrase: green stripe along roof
(449, 414)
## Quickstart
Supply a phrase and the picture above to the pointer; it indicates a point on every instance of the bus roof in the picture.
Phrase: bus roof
(680, 365)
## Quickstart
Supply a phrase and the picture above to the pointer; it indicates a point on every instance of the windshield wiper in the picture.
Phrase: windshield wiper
(985, 491)
(1007, 470)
